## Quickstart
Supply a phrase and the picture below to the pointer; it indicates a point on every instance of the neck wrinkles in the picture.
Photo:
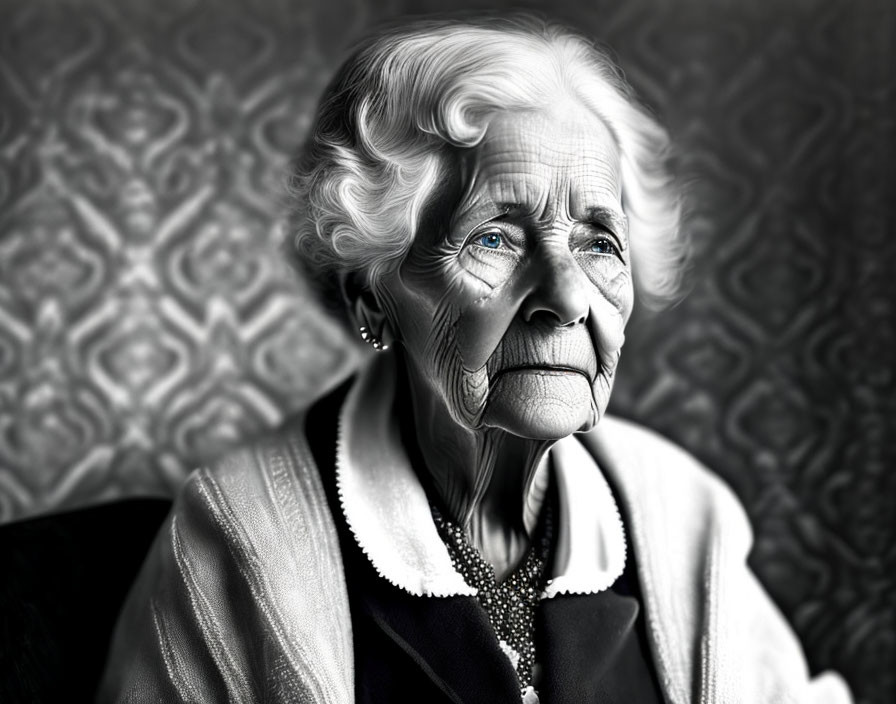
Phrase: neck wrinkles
(489, 482)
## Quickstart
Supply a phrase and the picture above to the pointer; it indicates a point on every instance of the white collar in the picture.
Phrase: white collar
(388, 513)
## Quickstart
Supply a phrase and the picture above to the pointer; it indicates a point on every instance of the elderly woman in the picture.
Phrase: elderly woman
(461, 522)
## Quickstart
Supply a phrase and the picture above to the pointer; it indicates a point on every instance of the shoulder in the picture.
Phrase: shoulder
(691, 537)
(264, 506)
(282, 472)
(259, 503)
(243, 587)
(656, 457)
(274, 472)
(652, 471)
(255, 522)
(269, 495)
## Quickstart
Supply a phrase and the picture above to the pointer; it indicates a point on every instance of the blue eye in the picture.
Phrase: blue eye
(603, 246)
(492, 240)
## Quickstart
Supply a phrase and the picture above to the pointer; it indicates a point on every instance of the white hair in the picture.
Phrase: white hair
(410, 95)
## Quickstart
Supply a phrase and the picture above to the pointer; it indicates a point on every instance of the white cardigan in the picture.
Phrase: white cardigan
(243, 597)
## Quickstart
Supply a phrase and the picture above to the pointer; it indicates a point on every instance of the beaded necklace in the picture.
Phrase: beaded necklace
(510, 604)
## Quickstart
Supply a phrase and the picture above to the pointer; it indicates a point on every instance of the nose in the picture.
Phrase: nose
(560, 290)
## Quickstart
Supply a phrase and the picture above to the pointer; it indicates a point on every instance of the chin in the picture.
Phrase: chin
(541, 404)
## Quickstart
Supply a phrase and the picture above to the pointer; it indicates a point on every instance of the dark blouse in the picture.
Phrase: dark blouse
(589, 648)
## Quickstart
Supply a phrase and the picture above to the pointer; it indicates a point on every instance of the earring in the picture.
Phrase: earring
(375, 342)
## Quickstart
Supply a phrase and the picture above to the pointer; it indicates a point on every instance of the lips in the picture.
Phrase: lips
(545, 349)
(546, 369)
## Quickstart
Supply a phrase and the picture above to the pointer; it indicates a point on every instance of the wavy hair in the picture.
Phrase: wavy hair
(409, 95)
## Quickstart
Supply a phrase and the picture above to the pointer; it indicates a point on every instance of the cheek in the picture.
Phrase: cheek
(486, 302)
(619, 294)
(408, 313)
(612, 282)
(452, 313)
(481, 327)
(611, 305)
(483, 271)
(462, 384)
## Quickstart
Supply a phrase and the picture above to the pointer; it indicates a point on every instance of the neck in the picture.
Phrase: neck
(486, 480)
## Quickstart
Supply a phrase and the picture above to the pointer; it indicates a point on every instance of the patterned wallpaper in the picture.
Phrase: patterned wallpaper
(146, 321)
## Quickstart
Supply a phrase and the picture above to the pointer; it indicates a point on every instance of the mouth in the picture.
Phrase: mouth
(546, 369)
(545, 351)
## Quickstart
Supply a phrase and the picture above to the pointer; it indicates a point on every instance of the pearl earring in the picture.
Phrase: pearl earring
(369, 338)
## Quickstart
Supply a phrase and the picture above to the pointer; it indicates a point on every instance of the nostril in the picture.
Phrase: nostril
(551, 318)
(577, 321)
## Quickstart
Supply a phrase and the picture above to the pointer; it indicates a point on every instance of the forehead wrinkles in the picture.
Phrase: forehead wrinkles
(563, 168)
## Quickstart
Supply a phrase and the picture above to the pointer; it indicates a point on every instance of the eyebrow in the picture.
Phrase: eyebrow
(602, 215)
(499, 210)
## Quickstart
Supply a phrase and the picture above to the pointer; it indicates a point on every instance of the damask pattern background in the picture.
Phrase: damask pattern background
(147, 321)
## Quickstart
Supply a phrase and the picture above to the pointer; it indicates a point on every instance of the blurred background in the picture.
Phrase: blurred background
(147, 322)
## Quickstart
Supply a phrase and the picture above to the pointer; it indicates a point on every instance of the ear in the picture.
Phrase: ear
(365, 310)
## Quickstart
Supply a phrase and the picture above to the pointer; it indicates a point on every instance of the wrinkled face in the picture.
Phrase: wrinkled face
(512, 314)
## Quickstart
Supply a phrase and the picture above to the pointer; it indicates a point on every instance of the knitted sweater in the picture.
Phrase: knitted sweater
(243, 597)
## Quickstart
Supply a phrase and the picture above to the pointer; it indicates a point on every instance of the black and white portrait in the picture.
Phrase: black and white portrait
(447, 352)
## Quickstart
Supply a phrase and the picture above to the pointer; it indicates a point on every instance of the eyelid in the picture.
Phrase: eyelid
(493, 224)
(608, 230)
(609, 237)
(479, 231)
(612, 220)
(595, 230)
(490, 218)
